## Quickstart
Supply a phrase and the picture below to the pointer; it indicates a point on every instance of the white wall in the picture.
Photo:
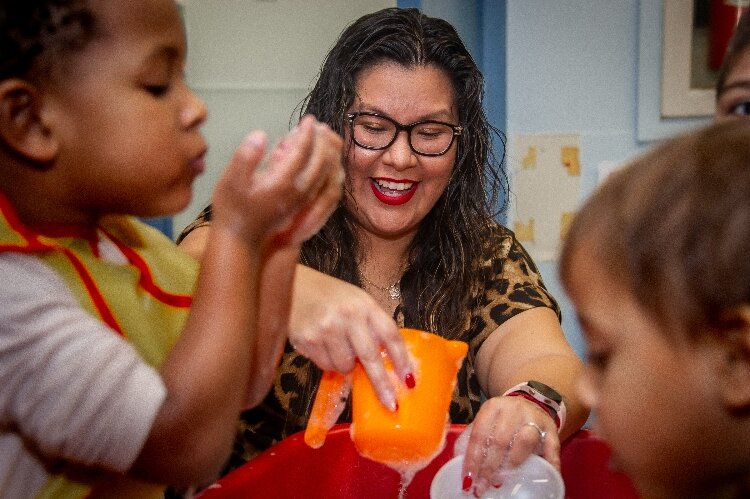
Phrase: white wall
(253, 61)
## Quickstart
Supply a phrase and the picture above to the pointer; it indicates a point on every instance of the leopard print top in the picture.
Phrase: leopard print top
(512, 284)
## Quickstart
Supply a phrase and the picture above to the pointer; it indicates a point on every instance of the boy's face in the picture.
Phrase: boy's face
(654, 400)
(127, 123)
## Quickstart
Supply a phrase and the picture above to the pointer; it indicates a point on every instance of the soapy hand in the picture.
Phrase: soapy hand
(336, 324)
(501, 437)
(291, 198)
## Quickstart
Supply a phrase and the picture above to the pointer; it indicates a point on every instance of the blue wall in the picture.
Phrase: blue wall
(572, 67)
(481, 24)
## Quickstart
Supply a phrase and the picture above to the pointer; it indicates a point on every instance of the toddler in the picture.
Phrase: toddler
(121, 366)
(657, 264)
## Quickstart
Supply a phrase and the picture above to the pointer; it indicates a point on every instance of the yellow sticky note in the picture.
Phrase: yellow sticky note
(529, 161)
(524, 232)
(569, 158)
(566, 218)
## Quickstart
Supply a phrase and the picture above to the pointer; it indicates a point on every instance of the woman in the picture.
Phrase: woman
(416, 232)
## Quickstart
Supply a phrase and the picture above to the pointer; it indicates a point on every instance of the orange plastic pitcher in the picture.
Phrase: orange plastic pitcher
(415, 433)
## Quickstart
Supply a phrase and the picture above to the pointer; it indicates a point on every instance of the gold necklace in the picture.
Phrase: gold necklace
(394, 290)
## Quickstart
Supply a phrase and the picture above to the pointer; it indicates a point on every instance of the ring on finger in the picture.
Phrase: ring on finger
(541, 432)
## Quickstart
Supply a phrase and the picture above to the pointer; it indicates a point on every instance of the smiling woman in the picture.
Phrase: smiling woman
(414, 244)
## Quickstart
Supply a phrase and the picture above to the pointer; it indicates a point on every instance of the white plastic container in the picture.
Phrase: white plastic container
(535, 478)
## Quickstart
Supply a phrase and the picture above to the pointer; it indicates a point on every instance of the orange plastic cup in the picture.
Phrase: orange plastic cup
(409, 438)
(414, 434)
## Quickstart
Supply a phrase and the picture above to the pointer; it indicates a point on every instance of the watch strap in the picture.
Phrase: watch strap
(543, 396)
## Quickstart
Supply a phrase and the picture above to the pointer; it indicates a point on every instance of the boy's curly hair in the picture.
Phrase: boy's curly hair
(36, 35)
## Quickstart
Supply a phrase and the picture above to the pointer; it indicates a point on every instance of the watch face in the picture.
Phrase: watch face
(546, 391)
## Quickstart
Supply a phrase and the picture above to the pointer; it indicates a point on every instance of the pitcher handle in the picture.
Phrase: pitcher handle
(329, 403)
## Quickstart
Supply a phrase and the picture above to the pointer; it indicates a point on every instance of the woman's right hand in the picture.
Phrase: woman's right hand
(335, 323)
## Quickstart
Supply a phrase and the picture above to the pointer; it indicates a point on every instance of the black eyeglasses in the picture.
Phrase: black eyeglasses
(376, 132)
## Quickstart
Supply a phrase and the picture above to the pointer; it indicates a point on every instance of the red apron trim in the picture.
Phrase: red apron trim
(147, 280)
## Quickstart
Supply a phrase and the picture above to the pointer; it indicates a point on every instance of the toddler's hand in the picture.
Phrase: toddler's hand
(292, 196)
(321, 177)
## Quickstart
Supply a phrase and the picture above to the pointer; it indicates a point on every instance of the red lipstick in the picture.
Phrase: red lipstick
(393, 197)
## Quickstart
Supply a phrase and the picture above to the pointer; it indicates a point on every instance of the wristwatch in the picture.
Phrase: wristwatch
(543, 396)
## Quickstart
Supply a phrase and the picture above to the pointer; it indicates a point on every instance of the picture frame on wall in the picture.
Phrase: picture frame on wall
(685, 52)
(652, 124)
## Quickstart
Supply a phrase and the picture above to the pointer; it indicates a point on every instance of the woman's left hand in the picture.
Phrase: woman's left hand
(505, 432)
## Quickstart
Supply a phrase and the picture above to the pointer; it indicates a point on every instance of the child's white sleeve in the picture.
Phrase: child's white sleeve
(68, 383)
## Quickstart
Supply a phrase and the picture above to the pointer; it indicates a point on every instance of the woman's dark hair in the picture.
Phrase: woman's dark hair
(441, 265)
(35, 35)
(673, 228)
(737, 45)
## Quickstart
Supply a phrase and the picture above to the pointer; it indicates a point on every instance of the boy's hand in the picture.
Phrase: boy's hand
(291, 198)
(323, 177)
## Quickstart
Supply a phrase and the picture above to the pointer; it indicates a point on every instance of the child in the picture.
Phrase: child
(733, 82)
(657, 264)
(114, 375)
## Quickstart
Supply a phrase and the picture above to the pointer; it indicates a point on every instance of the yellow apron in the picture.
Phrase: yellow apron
(146, 301)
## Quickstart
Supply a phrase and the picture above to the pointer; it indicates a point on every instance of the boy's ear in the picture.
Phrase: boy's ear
(22, 129)
(735, 370)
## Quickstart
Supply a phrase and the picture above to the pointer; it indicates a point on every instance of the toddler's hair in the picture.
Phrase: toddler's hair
(37, 35)
(673, 228)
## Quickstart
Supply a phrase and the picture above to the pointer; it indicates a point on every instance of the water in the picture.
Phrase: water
(406, 478)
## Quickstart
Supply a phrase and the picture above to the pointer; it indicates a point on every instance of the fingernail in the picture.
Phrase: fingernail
(468, 481)
(393, 403)
(409, 380)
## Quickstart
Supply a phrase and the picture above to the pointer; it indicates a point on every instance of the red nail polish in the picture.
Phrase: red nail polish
(410, 383)
(467, 483)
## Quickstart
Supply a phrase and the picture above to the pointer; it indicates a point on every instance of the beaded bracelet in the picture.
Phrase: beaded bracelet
(543, 396)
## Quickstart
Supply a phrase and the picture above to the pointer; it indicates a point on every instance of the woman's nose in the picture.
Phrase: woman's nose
(400, 154)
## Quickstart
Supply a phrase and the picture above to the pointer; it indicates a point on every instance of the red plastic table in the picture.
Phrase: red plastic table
(291, 470)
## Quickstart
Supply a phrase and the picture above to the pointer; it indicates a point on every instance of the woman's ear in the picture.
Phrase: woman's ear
(23, 132)
(735, 369)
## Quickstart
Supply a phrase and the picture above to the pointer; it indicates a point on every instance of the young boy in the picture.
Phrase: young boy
(118, 369)
(657, 265)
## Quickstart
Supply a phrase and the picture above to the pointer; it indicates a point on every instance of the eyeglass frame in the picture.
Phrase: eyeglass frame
(457, 130)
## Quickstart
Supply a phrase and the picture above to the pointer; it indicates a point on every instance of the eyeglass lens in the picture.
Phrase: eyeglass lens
(378, 132)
